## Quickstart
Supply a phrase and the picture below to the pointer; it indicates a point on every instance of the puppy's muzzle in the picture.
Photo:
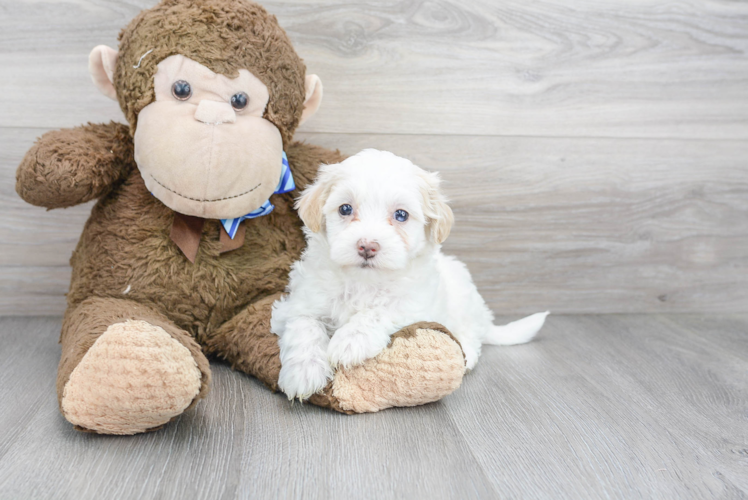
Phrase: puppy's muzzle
(367, 249)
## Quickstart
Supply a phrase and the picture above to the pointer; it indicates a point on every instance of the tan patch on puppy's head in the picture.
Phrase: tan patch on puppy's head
(401, 232)
(313, 199)
(435, 206)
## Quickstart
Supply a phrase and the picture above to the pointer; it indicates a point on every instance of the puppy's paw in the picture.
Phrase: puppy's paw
(471, 355)
(302, 378)
(351, 347)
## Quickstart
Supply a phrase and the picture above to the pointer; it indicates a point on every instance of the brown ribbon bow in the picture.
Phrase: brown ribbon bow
(186, 231)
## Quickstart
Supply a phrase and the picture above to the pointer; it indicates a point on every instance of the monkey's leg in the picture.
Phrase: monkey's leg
(246, 343)
(422, 364)
(126, 368)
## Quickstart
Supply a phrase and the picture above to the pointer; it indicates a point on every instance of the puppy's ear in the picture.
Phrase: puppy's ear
(435, 208)
(314, 197)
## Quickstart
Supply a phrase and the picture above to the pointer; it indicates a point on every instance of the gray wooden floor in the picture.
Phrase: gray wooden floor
(616, 406)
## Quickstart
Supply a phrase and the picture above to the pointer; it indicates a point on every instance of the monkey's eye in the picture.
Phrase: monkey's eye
(181, 90)
(401, 215)
(239, 101)
(345, 210)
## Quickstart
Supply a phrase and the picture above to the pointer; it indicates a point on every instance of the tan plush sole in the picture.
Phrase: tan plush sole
(134, 378)
(414, 370)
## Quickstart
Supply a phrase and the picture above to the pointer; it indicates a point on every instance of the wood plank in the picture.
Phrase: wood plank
(584, 225)
(652, 68)
(616, 406)
(612, 407)
(30, 354)
(38, 290)
(241, 442)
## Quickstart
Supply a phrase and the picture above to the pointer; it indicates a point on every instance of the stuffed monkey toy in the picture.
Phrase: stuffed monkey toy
(194, 231)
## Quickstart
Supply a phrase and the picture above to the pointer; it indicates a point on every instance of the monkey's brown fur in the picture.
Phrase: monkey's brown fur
(125, 266)
(222, 35)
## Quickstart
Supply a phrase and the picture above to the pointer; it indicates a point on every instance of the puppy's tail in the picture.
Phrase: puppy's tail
(516, 332)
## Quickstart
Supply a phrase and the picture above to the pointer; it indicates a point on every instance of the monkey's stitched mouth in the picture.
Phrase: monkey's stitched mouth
(197, 199)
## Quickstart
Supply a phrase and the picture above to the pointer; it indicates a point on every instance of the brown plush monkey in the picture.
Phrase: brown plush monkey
(213, 92)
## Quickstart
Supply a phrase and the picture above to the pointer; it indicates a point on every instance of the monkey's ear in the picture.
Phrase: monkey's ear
(313, 199)
(101, 64)
(435, 207)
(313, 97)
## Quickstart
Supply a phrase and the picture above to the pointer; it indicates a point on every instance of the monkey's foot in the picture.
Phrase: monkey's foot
(134, 378)
(422, 364)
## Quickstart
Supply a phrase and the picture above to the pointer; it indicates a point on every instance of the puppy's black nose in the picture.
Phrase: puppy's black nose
(367, 249)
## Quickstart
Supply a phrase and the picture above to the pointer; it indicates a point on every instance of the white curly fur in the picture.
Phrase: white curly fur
(342, 308)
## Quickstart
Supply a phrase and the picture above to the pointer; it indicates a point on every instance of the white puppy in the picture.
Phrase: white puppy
(373, 264)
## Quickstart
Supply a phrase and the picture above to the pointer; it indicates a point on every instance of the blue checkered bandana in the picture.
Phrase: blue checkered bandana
(285, 185)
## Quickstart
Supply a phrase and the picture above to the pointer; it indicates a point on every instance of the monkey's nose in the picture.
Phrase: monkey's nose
(214, 112)
(367, 249)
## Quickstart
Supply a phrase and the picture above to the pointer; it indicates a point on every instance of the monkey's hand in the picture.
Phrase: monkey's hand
(71, 166)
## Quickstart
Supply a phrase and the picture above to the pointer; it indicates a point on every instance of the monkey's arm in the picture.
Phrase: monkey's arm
(71, 166)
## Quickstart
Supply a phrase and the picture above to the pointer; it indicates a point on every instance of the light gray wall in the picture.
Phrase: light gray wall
(595, 152)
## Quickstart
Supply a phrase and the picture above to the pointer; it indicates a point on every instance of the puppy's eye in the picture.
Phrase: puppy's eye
(401, 215)
(239, 101)
(345, 210)
(181, 90)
